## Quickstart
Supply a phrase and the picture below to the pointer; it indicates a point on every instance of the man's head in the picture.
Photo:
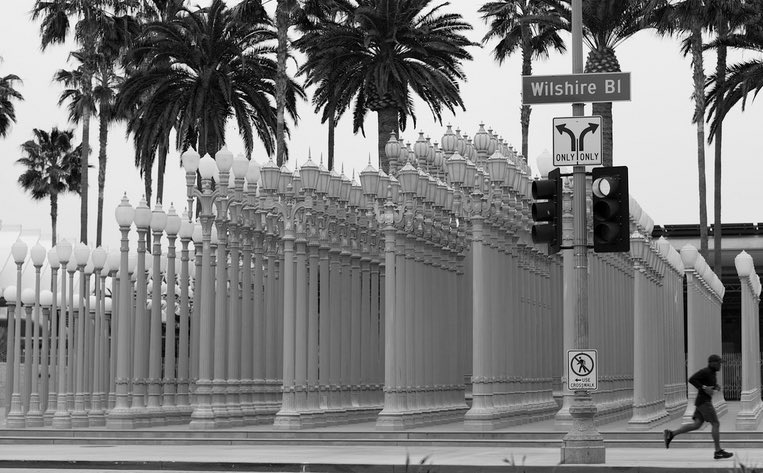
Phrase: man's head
(714, 361)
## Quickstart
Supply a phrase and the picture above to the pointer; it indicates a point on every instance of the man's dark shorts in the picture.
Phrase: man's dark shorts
(705, 412)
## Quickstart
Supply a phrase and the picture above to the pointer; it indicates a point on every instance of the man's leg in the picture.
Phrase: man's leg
(688, 427)
(716, 432)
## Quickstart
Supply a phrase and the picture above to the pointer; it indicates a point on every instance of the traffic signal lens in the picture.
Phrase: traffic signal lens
(543, 211)
(606, 209)
(603, 187)
(606, 232)
(543, 233)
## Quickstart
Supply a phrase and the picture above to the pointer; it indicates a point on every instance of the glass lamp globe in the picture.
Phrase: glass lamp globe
(113, 260)
(38, 254)
(224, 159)
(207, 167)
(240, 166)
(81, 254)
(252, 174)
(369, 179)
(19, 250)
(124, 212)
(172, 227)
(186, 227)
(309, 173)
(158, 219)
(46, 298)
(99, 257)
(27, 296)
(142, 214)
(53, 258)
(10, 294)
(190, 160)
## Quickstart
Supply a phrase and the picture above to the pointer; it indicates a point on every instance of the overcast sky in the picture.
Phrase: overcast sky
(653, 134)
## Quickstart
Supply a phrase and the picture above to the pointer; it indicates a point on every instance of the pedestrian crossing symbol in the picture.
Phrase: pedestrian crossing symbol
(581, 370)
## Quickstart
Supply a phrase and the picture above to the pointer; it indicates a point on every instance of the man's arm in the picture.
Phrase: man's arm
(695, 380)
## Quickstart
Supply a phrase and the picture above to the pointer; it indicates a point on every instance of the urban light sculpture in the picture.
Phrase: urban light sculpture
(15, 418)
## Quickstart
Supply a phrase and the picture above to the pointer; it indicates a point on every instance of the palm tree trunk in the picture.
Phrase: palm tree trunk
(53, 217)
(605, 110)
(699, 118)
(282, 25)
(527, 69)
(161, 167)
(720, 73)
(103, 137)
(388, 123)
(84, 172)
(147, 182)
(332, 130)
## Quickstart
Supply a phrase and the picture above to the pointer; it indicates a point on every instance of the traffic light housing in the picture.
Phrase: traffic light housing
(611, 213)
(548, 214)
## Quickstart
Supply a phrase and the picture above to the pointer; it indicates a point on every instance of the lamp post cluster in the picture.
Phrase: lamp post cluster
(65, 342)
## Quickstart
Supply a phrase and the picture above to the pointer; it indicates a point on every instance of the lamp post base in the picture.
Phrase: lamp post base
(583, 444)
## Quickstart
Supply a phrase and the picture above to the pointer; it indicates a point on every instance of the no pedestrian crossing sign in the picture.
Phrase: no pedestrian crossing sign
(577, 141)
(581, 370)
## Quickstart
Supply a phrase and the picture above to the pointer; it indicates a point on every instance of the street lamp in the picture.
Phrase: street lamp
(96, 414)
(15, 418)
(79, 415)
(120, 416)
(157, 223)
(53, 385)
(62, 418)
(34, 414)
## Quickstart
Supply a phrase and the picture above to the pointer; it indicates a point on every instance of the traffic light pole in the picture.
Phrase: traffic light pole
(583, 444)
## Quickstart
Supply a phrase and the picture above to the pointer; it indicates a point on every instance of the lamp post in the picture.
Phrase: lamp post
(79, 415)
(46, 302)
(61, 418)
(120, 416)
(97, 414)
(169, 381)
(52, 391)
(202, 416)
(239, 168)
(34, 415)
(182, 400)
(291, 212)
(153, 407)
(142, 220)
(15, 418)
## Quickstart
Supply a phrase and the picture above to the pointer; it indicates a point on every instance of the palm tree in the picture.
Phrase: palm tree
(724, 18)
(52, 168)
(8, 94)
(195, 72)
(89, 18)
(311, 19)
(391, 49)
(527, 26)
(690, 18)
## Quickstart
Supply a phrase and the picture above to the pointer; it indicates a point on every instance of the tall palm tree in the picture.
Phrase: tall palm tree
(87, 18)
(724, 17)
(391, 49)
(527, 26)
(689, 18)
(194, 73)
(52, 168)
(284, 9)
(312, 19)
(8, 94)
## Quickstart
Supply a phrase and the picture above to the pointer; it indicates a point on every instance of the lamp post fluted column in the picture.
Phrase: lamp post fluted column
(154, 404)
(34, 414)
(54, 318)
(170, 382)
(61, 418)
(79, 414)
(15, 418)
(183, 355)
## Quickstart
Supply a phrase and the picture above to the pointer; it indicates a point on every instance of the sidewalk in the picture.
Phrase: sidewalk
(368, 459)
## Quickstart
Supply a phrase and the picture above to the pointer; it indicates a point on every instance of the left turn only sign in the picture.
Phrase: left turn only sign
(581, 370)
(577, 141)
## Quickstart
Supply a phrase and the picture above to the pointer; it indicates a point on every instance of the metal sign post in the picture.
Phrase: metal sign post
(583, 444)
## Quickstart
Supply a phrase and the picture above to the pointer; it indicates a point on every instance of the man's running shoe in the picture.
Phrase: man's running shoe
(719, 454)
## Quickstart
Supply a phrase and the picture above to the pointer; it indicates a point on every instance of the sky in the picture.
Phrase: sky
(653, 133)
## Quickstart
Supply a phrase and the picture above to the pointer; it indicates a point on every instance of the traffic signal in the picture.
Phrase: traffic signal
(548, 213)
(611, 222)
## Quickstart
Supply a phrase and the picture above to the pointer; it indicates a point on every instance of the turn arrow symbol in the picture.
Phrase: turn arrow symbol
(591, 128)
(563, 129)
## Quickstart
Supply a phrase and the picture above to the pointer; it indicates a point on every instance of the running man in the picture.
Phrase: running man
(706, 383)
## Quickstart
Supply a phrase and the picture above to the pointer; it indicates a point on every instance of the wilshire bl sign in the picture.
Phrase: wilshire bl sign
(576, 88)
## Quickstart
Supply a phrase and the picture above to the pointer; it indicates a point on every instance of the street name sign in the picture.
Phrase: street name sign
(582, 373)
(577, 141)
(577, 88)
